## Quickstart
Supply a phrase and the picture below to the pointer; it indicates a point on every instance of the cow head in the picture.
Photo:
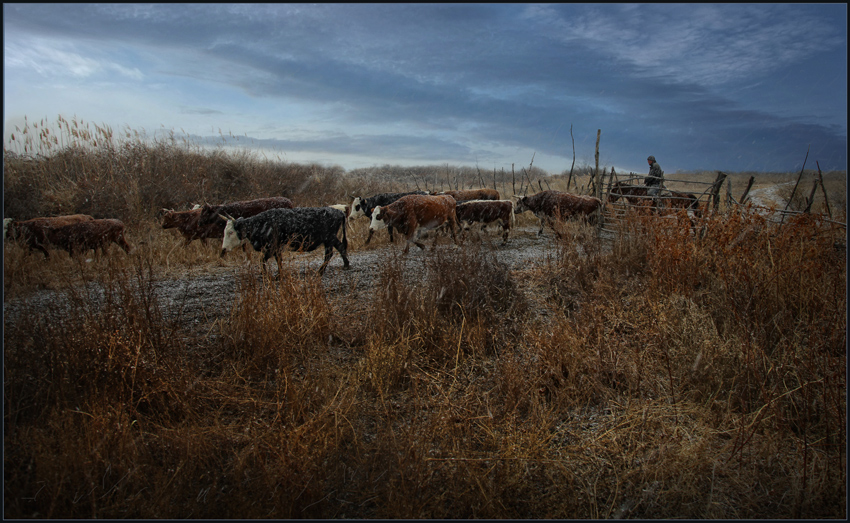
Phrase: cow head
(521, 205)
(167, 216)
(358, 208)
(378, 222)
(232, 238)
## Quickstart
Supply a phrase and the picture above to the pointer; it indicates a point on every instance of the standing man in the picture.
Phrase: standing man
(654, 180)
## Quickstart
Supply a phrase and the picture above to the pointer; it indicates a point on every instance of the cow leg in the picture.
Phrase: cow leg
(369, 237)
(122, 242)
(506, 228)
(416, 236)
(390, 229)
(452, 223)
(343, 251)
(329, 252)
(412, 238)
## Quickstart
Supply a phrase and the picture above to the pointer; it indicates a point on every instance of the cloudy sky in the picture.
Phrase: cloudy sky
(730, 87)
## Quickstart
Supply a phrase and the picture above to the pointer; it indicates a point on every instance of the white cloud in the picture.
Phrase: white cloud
(53, 60)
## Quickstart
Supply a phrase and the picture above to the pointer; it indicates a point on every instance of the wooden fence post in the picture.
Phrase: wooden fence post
(825, 199)
(597, 183)
(811, 199)
(715, 189)
(728, 192)
(791, 198)
(747, 190)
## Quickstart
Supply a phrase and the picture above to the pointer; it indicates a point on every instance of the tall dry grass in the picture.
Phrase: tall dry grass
(681, 370)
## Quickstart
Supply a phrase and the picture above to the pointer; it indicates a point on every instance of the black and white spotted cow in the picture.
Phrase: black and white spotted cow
(365, 206)
(299, 229)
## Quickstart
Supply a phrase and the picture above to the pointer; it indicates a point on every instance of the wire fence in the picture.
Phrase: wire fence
(698, 199)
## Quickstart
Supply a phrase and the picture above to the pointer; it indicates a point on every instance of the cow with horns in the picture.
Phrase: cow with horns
(242, 209)
(486, 212)
(414, 213)
(551, 205)
(298, 229)
(35, 232)
(473, 194)
(365, 206)
(80, 237)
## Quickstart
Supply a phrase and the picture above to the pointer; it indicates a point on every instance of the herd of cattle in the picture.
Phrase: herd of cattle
(271, 225)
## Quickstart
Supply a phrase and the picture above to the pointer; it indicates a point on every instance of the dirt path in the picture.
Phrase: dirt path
(201, 295)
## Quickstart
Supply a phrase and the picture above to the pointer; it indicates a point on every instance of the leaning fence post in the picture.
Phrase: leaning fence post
(715, 189)
(791, 198)
(825, 199)
(811, 199)
(747, 190)
(728, 193)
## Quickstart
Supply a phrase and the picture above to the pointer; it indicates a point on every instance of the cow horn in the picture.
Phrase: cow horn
(226, 217)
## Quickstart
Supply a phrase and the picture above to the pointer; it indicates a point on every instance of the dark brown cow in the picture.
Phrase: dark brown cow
(637, 195)
(412, 214)
(188, 223)
(243, 209)
(83, 236)
(551, 205)
(487, 211)
(35, 231)
(682, 200)
(473, 194)
(634, 194)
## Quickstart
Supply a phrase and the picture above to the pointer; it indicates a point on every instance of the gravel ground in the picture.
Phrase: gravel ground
(203, 294)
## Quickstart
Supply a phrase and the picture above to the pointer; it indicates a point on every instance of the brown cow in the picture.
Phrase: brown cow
(188, 223)
(487, 211)
(243, 209)
(413, 213)
(634, 194)
(90, 235)
(551, 205)
(473, 194)
(637, 195)
(35, 231)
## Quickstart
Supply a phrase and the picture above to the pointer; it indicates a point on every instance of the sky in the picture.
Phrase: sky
(731, 87)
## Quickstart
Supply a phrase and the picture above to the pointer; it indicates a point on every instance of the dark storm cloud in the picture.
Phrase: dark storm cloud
(464, 81)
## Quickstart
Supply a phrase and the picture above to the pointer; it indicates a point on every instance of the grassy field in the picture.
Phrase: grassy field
(673, 372)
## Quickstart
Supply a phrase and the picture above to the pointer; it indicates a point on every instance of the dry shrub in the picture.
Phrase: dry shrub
(108, 337)
(465, 300)
(273, 321)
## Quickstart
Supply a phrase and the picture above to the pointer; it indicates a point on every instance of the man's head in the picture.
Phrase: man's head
(651, 159)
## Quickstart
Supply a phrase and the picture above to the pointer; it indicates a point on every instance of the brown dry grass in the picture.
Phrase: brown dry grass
(670, 374)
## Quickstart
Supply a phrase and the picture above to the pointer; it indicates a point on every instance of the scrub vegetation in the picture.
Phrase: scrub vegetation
(677, 370)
